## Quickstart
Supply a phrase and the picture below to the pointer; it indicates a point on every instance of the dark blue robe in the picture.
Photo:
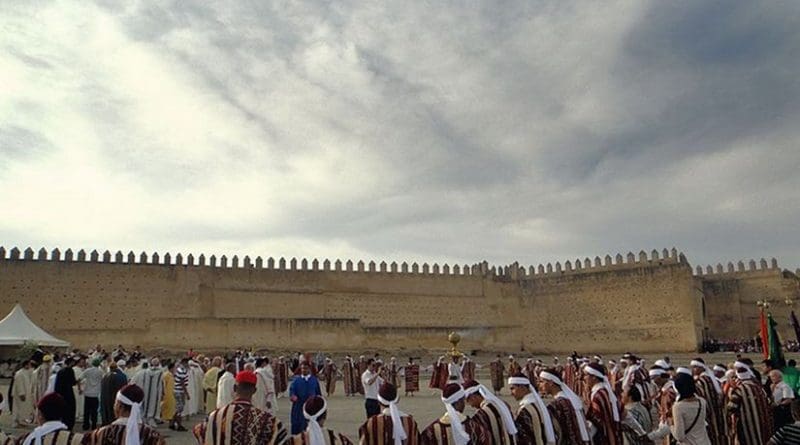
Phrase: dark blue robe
(303, 389)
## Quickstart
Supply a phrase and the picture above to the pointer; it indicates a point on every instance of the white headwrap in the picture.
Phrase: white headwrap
(709, 373)
(743, 375)
(132, 427)
(42, 430)
(661, 363)
(315, 435)
(683, 370)
(460, 436)
(657, 372)
(505, 413)
(398, 432)
(604, 383)
(543, 412)
(573, 398)
(628, 376)
(719, 368)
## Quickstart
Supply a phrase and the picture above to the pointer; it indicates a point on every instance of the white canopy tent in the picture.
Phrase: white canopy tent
(17, 329)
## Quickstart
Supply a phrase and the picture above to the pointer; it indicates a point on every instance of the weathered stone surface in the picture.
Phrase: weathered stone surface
(638, 305)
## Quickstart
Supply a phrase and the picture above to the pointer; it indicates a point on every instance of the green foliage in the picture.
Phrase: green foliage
(26, 350)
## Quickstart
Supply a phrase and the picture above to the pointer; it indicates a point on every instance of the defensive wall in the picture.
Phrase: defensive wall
(646, 302)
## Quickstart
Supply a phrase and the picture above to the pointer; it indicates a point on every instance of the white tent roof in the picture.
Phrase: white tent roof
(17, 328)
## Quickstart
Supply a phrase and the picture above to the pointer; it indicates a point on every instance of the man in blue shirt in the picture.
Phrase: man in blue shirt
(302, 388)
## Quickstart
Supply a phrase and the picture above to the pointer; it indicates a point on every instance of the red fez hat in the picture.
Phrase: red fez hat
(388, 392)
(52, 406)
(133, 393)
(246, 377)
(469, 383)
(313, 405)
(450, 389)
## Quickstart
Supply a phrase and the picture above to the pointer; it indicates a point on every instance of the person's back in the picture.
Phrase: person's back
(789, 434)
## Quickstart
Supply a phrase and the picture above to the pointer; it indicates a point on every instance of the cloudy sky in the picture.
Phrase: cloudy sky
(444, 131)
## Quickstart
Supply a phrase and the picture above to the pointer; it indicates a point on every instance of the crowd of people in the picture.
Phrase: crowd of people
(120, 397)
(744, 345)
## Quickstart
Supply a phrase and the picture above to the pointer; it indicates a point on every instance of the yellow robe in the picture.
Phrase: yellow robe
(168, 404)
(210, 388)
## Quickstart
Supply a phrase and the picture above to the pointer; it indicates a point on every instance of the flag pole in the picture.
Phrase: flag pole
(763, 305)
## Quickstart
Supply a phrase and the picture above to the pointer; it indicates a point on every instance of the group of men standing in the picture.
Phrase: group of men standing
(352, 371)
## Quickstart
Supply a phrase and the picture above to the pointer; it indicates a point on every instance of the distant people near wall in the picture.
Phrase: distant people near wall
(411, 377)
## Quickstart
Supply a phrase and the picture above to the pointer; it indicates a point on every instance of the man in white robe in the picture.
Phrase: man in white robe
(259, 399)
(269, 377)
(23, 399)
(78, 370)
(225, 386)
(193, 404)
(197, 387)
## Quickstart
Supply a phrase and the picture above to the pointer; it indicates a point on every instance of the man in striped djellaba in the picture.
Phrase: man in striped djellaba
(749, 409)
(391, 426)
(315, 411)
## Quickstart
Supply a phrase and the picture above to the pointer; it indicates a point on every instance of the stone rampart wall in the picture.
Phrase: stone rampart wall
(644, 302)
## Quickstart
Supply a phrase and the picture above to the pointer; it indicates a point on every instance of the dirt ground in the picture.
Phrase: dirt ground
(346, 414)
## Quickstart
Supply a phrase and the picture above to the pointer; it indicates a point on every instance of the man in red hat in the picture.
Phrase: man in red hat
(391, 426)
(315, 411)
(454, 428)
(129, 427)
(239, 422)
(491, 412)
(50, 411)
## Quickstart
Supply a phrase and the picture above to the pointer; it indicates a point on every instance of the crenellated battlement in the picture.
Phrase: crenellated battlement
(510, 272)
(598, 264)
(246, 262)
(218, 300)
(731, 270)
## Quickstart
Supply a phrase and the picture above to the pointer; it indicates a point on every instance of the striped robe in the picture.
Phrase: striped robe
(715, 417)
(570, 377)
(240, 423)
(152, 383)
(600, 413)
(468, 370)
(496, 369)
(349, 377)
(114, 434)
(565, 422)
(329, 373)
(530, 429)
(439, 432)
(489, 416)
(751, 415)
(331, 438)
(377, 430)
(439, 376)
(61, 437)
(411, 372)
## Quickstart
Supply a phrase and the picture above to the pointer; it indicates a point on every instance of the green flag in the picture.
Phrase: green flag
(775, 351)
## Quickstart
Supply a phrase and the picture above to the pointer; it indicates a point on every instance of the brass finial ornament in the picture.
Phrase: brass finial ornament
(764, 304)
(454, 339)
